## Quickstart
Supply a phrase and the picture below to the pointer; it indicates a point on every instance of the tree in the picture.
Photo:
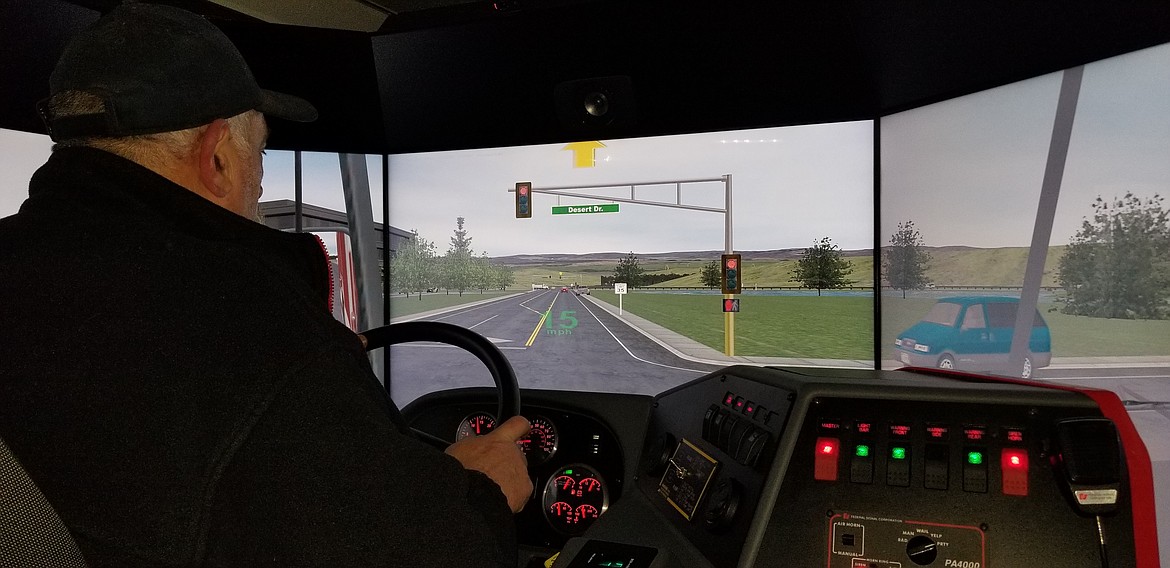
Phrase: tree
(709, 275)
(504, 276)
(458, 264)
(1118, 264)
(821, 267)
(484, 275)
(905, 261)
(414, 267)
(629, 271)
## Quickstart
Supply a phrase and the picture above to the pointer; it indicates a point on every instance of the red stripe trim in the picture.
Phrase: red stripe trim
(1137, 457)
(328, 269)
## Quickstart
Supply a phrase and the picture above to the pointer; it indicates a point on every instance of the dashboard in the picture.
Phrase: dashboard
(771, 467)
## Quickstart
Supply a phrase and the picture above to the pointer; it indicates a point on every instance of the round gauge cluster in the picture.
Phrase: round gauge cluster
(574, 497)
(541, 442)
(538, 446)
(476, 424)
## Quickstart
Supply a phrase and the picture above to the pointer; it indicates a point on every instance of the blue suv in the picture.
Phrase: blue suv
(972, 333)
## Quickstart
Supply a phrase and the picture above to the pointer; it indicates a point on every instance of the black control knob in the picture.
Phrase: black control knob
(922, 550)
(722, 505)
(660, 452)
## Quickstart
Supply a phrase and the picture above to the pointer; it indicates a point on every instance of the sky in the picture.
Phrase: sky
(790, 186)
(967, 171)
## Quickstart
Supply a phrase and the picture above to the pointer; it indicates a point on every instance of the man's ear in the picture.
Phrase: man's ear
(216, 161)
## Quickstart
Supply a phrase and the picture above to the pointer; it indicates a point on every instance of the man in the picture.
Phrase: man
(171, 376)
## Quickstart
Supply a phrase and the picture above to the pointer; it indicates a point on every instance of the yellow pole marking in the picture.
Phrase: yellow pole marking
(728, 330)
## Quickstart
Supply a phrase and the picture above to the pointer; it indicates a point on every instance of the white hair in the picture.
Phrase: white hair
(149, 149)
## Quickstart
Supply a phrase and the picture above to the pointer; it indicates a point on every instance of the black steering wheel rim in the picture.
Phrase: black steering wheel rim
(507, 389)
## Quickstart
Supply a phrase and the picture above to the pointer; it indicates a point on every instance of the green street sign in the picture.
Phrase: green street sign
(570, 209)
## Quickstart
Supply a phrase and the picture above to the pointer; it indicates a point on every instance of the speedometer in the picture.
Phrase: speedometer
(541, 442)
(476, 424)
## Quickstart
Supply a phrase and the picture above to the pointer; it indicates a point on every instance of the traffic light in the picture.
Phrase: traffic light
(731, 305)
(523, 199)
(730, 280)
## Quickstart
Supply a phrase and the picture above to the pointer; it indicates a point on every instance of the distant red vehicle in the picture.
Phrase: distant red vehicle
(564, 289)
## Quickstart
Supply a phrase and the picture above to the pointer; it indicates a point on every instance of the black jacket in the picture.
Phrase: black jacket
(172, 378)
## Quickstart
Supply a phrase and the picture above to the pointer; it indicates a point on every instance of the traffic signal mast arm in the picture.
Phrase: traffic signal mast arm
(574, 191)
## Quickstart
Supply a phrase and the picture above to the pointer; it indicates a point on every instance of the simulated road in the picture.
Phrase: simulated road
(554, 340)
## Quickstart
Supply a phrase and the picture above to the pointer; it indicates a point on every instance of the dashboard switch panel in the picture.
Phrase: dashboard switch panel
(878, 540)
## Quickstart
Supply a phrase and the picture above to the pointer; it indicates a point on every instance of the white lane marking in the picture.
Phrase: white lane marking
(484, 321)
(432, 344)
(1099, 378)
(452, 311)
(631, 353)
(537, 297)
(456, 311)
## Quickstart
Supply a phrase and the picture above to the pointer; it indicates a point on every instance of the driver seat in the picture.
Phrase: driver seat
(31, 532)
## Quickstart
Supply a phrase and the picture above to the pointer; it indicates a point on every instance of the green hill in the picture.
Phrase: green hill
(773, 273)
(969, 266)
(949, 266)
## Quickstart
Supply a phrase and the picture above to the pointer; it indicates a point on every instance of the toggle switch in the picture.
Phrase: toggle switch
(937, 472)
(828, 451)
(861, 463)
(1014, 462)
(974, 469)
(898, 466)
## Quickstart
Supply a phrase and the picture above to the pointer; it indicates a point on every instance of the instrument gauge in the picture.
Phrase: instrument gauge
(476, 424)
(561, 511)
(586, 512)
(573, 498)
(541, 442)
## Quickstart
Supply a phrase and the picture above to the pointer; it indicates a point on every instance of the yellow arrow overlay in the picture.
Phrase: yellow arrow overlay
(584, 153)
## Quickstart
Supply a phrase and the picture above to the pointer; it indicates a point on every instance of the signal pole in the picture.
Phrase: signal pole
(729, 317)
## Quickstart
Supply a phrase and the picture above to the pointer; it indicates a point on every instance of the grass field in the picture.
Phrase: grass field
(828, 327)
(583, 273)
(406, 305)
(834, 327)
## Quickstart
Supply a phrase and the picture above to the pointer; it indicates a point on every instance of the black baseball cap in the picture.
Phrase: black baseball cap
(159, 69)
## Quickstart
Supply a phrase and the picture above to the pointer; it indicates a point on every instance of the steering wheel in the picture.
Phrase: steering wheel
(507, 389)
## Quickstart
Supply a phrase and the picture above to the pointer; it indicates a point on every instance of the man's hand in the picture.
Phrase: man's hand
(497, 455)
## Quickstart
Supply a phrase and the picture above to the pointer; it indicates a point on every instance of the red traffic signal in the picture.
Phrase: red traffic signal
(523, 200)
(729, 268)
(731, 305)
